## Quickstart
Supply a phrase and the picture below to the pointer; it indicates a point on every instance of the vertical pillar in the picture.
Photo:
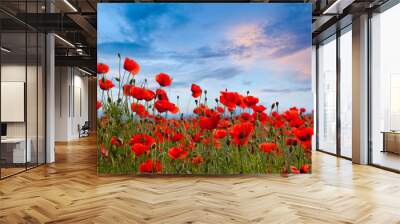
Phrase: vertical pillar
(360, 89)
(50, 92)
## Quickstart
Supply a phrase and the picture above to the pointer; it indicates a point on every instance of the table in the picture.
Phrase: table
(13, 150)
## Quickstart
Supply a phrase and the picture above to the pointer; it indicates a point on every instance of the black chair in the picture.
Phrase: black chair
(84, 130)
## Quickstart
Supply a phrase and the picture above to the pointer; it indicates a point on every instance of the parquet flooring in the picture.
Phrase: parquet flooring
(70, 191)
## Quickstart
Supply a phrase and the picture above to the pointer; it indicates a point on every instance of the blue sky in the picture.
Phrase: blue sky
(261, 48)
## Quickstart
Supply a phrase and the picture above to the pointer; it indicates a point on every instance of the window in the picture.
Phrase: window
(385, 89)
(346, 92)
(327, 95)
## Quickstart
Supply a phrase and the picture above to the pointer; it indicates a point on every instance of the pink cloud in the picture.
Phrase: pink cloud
(258, 47)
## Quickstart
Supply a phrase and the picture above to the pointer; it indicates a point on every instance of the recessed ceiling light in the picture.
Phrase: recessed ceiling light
(5, 50)
(64, 40)
(70, 5)
(84, 71)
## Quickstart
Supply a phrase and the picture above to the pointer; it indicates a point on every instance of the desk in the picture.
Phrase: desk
(13, 150)
(391, 141)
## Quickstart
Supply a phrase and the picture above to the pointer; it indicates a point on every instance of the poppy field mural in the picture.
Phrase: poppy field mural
(204, 89)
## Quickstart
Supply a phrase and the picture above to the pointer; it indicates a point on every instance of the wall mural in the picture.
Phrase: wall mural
(204, 88)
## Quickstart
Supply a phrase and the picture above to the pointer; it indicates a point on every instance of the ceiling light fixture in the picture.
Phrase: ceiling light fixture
(5, 50)
(337, 7)
(64, 40)
(70, 5)
(84, 71)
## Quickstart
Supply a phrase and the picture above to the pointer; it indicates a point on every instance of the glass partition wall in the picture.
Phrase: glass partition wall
(22, 77)
(334, 71)
(385, 89)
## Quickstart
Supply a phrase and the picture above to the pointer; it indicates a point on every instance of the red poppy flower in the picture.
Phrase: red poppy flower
(220, 109)
(250, 101)
(163, 79)
(126, 89)
(103, 151)
(268, 147)
(279, 123)
(245, 117)
(142, 138)
(302, 110)
(177, 153)
(150, 166)
(305, 168)
(196, 137)
(262, 117)
(148, 95)
(102, 68)
(173, 109)
(162, 95)
(303, 134)
(241, 133)
(211, 113)
(291, 141)
(137, 92)
(177, 137)
(200, 110)
(229, 99)
(196, 90)
(209, 123)
(224, 123)
(139, 149)
(294, 170)
(258, 108)
(98, 105)
(240, 102)
(116, 141)
(105, 84)
(139, 109)
(296, 122)
(131, 66)
(220, 133)
(164, 106)
(197, 159)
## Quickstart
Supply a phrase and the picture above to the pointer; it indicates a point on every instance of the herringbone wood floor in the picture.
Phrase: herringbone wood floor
(70, 191)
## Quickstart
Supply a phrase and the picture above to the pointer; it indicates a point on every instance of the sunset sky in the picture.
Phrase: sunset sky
(261, 48)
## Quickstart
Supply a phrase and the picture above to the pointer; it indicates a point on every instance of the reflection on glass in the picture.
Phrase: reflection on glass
(327, 96)
(346, 94)
(385, 86)
(13, 85)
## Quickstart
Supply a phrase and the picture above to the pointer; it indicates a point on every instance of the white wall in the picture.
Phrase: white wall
(70, 83)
